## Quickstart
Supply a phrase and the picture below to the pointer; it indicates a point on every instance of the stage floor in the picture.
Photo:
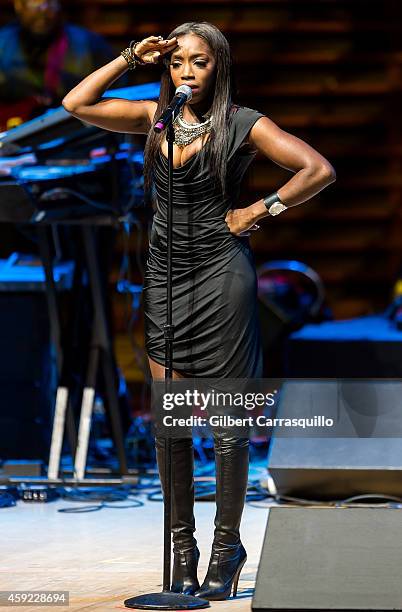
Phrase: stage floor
(106, 556)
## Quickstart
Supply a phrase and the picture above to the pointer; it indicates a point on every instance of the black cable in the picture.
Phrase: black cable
(355, 498)
(300, 501)
(107, 496)
(67, 191)
(99, 494)
(332, 503)
(204, 490)
(82, 509)
(256, 492)
(144, 487)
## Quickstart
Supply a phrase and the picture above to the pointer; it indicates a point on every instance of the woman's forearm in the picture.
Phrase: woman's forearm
(312, 171)
(90, 89)
(301, 187)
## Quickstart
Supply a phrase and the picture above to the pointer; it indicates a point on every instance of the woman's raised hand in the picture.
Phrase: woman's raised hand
(151, 49)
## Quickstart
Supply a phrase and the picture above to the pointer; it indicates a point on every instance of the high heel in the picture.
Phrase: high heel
(223, 574)
(237, 576)
(184, 578)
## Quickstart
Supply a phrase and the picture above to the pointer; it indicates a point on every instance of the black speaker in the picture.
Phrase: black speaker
(27, 376)
(330, 559)
(368, 346)
(362, 455)
(275, 328)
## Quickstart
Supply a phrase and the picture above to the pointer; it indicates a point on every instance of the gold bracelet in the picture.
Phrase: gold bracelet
(132, 47)
(131, 61)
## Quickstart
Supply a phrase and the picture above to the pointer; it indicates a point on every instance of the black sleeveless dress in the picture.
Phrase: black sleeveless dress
(217, 332)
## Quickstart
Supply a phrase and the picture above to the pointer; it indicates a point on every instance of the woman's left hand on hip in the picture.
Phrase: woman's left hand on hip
(240, 222)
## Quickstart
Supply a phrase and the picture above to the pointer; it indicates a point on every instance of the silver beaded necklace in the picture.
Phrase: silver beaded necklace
(185, 132)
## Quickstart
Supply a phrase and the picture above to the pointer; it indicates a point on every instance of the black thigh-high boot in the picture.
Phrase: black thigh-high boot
(228, 554)
(185, 551)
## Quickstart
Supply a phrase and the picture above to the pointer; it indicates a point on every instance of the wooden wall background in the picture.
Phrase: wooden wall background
(328, 71)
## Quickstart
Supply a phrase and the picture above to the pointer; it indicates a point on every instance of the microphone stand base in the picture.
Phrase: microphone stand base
(166, 600)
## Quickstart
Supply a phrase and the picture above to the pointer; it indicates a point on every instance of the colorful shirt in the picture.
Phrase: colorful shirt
(39, 74)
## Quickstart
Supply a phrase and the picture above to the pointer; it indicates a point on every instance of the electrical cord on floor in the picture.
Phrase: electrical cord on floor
(107, 497)
(256, 493)
(389, 501)
(205, 488)
(141, 486)
(205, 485)
(356, 498)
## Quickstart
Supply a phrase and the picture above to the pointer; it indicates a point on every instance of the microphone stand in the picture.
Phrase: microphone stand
(167, 600)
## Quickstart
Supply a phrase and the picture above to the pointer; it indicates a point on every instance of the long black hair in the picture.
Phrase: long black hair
(223, 91)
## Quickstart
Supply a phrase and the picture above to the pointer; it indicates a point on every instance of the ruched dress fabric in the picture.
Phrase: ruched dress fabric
(214, 309)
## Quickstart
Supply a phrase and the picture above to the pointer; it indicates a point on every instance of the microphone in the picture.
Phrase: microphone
(182, 95)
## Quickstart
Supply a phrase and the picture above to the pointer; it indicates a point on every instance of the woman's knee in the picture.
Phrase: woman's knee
(158, 371)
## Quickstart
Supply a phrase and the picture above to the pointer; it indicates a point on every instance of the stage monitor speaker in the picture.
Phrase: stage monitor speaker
(326, 559)
(325, 468)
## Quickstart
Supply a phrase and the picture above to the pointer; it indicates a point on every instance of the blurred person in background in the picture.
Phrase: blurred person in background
(41, 58)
